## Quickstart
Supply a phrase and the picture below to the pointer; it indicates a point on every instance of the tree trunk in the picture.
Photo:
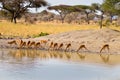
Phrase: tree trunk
(101, 21)
(111, 16)
(62, 20)
(11, 19)
(87, 15)
(14, 19)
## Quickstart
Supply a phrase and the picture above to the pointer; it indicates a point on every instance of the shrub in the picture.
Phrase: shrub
(41, 34)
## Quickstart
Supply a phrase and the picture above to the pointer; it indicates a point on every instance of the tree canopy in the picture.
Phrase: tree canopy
(117, 7)
(84, 8)
(18, 7)
(63, 10)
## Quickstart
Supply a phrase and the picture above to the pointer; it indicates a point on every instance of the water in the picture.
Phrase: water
(44, 65)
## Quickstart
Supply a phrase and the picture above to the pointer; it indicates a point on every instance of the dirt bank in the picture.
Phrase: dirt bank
(92, 39)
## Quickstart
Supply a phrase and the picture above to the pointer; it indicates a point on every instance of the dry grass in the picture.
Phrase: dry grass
(24, 30)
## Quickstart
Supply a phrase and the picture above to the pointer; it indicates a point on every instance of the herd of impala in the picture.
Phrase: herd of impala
(54, 46)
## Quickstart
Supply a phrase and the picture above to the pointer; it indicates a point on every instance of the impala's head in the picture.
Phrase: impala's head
(55, 43)
(69, 44)
(38, 43)
(28, 42)
(51, 42)
(61, 43)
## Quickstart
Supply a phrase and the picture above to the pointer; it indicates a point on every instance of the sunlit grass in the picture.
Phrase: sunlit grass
(24, 30)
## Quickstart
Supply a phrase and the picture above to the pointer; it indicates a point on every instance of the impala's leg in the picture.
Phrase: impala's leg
(70, 48)
(78, 49)
(58, 48)
(66, 49)
(49, 47)
(86, 48)
(102, 49)
(108, 49)
(54, 48)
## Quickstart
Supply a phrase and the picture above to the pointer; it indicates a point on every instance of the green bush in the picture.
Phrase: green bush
(41, 34)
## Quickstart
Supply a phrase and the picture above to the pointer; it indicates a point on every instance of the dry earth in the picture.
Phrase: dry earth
(92, 39)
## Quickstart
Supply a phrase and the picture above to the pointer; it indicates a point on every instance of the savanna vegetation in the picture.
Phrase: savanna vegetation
(69, 17)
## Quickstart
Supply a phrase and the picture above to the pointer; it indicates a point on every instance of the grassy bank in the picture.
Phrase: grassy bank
(25, 30)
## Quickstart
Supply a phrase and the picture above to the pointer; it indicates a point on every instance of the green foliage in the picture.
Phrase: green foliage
(109, 6)
(95, 6)
(82, 7)
(41, 34)
(63, 10)
(5, 14)
(85, 9)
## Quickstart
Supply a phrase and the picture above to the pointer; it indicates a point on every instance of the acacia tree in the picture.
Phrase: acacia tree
(97, 7)
(84, 8)
(109, 7)
(63, 10)
(18, 7)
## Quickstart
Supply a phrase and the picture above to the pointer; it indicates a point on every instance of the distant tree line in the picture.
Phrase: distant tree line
(108, 7)
(15, 9)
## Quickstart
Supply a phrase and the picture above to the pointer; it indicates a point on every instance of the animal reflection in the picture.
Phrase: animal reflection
(68, 56)
(105, 58)
(81, 56)
(22, 55)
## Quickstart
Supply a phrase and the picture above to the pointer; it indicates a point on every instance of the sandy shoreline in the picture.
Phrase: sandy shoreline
(92, 39)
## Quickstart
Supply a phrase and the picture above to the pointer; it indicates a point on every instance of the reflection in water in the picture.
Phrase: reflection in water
(52, 65)
(105, 58)
(82, 56)
(20, 55)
